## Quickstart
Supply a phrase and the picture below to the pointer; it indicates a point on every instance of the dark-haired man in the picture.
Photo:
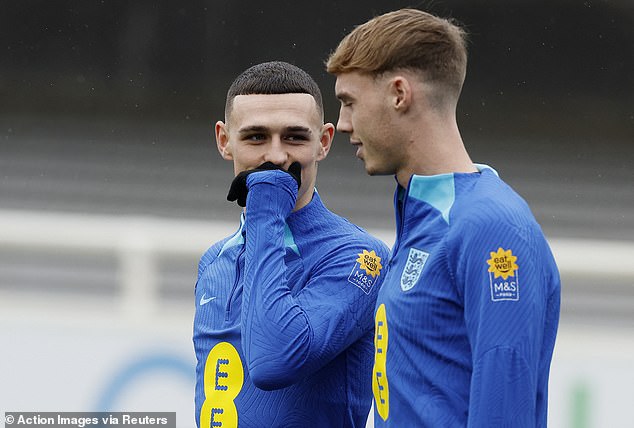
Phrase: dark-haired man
(283, 324)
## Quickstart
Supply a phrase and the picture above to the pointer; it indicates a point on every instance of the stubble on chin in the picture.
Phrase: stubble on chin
(374, 169)
(370, 170)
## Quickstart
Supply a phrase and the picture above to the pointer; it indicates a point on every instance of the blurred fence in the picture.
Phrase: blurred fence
(149, 258)
(71, 284)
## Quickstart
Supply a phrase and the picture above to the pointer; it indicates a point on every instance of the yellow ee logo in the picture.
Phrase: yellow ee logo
(223, 380)
(380, 386)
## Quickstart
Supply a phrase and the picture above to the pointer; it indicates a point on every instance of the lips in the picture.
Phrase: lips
(358, 145)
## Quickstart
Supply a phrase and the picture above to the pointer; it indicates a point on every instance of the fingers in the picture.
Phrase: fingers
(295, 170)
(238, 190)
(267, 166)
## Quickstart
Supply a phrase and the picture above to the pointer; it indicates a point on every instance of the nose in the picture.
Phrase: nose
(344, 124)
(276, 153)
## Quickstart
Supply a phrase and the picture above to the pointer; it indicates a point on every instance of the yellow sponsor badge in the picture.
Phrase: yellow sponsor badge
(380, 386)
(224, 377)
(370, 263)
(366, 270)
(503, 275)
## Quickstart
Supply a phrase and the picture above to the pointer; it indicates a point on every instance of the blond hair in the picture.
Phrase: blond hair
(407, 39)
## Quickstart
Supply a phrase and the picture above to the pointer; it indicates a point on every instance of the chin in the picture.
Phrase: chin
(374, 170)
(369, 169)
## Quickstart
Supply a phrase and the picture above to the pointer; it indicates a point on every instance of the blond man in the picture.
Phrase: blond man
(466, 320)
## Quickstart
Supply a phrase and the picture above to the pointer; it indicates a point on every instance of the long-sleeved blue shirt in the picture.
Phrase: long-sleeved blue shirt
(284, 316)
(467, 317)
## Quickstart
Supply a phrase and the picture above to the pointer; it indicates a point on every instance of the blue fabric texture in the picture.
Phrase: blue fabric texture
(468, 313)
(293, 293)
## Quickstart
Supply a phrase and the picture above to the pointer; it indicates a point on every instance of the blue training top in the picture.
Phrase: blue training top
(467, 317)
(283, 324)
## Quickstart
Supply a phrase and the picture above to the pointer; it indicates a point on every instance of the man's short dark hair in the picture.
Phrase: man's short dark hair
(275, 77)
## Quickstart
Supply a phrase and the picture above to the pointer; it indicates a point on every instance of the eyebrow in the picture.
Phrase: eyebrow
(264, 129)
(253, 128)
(298, 129)
(343, 96)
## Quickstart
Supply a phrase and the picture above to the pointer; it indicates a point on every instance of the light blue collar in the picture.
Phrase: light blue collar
(238, 239)
(439, 190)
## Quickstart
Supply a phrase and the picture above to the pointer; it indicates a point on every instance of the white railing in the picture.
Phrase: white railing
(138, 241)
(588, 358)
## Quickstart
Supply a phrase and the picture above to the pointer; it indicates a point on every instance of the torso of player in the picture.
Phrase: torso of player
(226, 386)
(329, 396)
(420, 333)
(419, 318)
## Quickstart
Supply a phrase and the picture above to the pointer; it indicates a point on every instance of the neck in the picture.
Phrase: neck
(434, 148)
(304, 199)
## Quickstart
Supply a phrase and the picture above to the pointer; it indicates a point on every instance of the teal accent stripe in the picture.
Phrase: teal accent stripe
(438, 191)
(238, 239)
(289, 241)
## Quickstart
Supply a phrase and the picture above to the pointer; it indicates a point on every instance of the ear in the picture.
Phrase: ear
(222, 140)
(400, 93)
(325, 140)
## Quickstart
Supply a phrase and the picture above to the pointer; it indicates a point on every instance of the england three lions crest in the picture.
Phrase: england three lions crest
(416, 260)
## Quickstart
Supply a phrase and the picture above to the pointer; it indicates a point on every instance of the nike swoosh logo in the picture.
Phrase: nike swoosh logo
(204, 301)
